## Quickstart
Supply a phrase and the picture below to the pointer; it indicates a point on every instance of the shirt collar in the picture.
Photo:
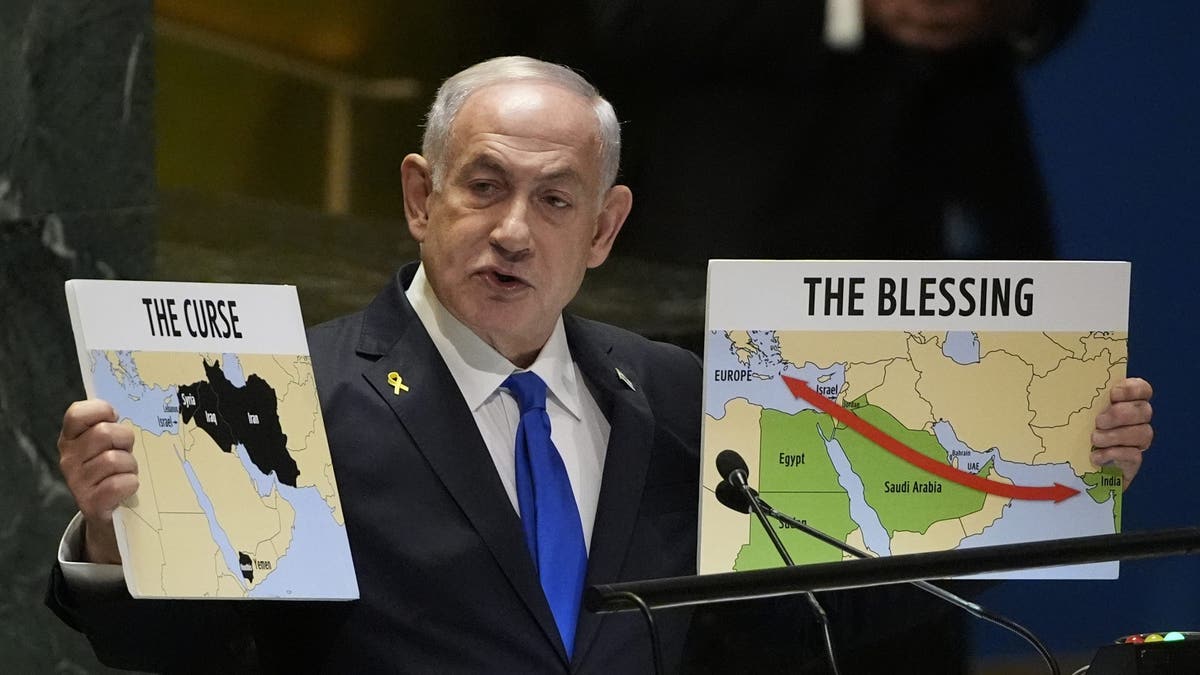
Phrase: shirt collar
(476, 367)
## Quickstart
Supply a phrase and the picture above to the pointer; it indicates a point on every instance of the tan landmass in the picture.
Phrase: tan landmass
(941, 536)
(118, 370)
(170, 369)
(898, 395)
(188, 556)
(987, 401)
(725, 530)
(143, 503)
(743, 347)
(738, 430)
(276, 547)
(993, 508)
(1072, 442)
(265, 551)
(1069, 443)
(270, 368)
(162, 474)
(856, 540)
(1037, 349)
(861, 378)
(827, 348)
(1117, 343)
(1071, 387)
(245, 517)
(298, 368)
(228, 584)
(145, 552)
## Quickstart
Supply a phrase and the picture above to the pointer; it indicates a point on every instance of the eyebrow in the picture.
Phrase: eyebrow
(490, 162)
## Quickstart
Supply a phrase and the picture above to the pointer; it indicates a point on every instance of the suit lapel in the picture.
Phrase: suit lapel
(627, 458)
(434, 414)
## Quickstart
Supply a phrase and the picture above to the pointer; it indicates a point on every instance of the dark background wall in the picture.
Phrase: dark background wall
(76, 200)
(1115, 118)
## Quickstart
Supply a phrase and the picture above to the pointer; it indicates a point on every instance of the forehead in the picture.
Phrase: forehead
(527, 116)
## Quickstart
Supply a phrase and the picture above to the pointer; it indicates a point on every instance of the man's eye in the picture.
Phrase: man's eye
(482, 188)
(557, 201)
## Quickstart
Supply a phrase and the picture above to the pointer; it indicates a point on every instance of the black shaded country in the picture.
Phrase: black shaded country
(250, 415)
(247, 565)
(206, 411)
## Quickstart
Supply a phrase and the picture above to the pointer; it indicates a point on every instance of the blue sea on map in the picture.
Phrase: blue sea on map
(962, 347)
(863, 514)
(765, 388)
(133, 400)
(232, 367)
(315, 553)
(262, 484)
(316, 546)
(1078, 516)
(214, 527)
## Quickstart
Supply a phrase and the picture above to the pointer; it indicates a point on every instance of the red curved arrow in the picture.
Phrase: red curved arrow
(800, 389)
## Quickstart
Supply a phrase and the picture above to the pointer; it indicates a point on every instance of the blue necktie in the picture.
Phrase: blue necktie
(549, 515)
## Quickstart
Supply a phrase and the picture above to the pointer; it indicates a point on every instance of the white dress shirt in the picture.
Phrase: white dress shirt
(577, 426)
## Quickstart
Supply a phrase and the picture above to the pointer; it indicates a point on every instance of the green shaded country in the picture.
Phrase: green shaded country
(1107, 483)
(907, 498)
(792, 456)
(829, 512)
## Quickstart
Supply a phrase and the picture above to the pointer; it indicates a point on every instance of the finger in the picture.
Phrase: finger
(106, 464)
(1139, 436)
(97, 439)
(1126, 458)
(1125, 413)
(105, 496)
(83, 415)
(1131, 389)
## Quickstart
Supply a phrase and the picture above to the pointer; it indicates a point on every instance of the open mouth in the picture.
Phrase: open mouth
(505, 281)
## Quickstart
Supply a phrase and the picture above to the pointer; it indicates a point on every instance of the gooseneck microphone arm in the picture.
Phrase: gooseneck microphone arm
(734, 470)
(974, 609)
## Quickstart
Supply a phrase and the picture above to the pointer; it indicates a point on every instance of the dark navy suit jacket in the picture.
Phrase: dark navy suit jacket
(446, 582)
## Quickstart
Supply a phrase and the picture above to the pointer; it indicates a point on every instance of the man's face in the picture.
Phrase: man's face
(519, 215)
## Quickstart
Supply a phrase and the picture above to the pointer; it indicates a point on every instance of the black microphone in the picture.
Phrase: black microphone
(735, 473)
(733, 468)
(733, 498)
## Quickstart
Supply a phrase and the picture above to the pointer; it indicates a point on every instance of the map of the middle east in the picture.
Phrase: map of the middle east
(899, 439)
(237, 496)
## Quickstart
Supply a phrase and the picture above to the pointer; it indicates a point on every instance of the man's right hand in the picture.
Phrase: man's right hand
(96, 458)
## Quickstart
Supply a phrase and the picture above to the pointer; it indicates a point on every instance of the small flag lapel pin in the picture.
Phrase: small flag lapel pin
(396, 383)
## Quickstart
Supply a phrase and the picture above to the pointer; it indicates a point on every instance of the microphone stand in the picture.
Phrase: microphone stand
(738, 478)
(760, 505)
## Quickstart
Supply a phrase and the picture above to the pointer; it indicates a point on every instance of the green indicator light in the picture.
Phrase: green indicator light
(1173, 636)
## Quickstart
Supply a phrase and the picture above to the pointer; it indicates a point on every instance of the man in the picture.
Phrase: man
(511, 202)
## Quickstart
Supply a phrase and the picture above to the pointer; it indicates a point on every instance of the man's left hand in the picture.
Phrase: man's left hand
(1123, 430)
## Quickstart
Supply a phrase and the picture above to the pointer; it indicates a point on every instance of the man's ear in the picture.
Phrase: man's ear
(617, 203)
(416, 179)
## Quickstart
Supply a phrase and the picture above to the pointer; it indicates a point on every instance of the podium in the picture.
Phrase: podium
(732, 586)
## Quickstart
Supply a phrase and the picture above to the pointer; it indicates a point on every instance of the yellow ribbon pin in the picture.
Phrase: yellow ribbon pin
(396, 382)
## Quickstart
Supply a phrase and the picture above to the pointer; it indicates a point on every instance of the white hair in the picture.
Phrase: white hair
(458, 88)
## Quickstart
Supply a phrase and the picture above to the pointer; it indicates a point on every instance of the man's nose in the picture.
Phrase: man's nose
(511, 232)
